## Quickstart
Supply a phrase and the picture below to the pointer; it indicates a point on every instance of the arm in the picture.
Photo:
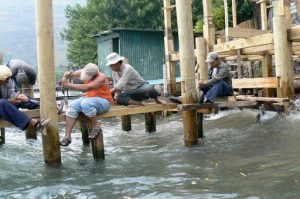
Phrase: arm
(223, 73)
(96, 83)
(127, 75)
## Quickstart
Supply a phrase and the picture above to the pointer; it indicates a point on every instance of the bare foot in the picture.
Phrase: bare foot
(143, 103)
(160, 100)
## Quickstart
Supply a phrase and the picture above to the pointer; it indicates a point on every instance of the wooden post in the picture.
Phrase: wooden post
(97, 143)
(283, 52)
(263, 15)
(150, 122)
(188, 91)
(85, 125)
(46, 76)
(200, 125)
(28, 90)
(201, 56)
(208, 26)
(169, 48)
(126, 122)
(266, 64)
(226, 20)
(2, 137)
(234, 18)
(266, 61)
(98, 147)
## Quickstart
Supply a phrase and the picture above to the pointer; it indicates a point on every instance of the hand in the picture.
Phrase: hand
(14, 101)
(202, 81)
(64, 83)
(67, 75)
(23, 98)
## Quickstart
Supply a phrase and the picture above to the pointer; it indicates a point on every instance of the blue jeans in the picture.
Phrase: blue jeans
(89, 106)
(219, 89)
(145, 91)
(11, 114)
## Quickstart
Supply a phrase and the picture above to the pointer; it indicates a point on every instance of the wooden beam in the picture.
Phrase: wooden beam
(245, 32)
(261, 99)
(257, 40)
(268, 82)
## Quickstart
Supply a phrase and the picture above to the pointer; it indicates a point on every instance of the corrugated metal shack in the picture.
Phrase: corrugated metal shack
(143, 48)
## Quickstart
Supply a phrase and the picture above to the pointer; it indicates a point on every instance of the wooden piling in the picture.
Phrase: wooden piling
(126, 122)
(201, 57)
(2, 135)
(46, 76)
(150, 122)
(98, 147)
(187, 63)
(28, 90)
(97, 143)
(208, 26)
(169, 48)
(85, 124)
(200, 125)
(283, 52)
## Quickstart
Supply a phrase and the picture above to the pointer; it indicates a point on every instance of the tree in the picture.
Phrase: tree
(100, 15)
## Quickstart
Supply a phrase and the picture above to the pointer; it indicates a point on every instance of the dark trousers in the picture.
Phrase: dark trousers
(143, 92)
(219, 89)
(11, 114)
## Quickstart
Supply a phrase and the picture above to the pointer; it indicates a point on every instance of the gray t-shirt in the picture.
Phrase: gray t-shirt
(127, 78)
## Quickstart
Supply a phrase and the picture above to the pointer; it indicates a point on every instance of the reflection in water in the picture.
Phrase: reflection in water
(239, 159)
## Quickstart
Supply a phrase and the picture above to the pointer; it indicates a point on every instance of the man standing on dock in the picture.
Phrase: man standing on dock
(219, 82)
(129, 87)
(9, 101)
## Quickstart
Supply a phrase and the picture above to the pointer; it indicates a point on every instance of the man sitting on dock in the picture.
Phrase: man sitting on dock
(219, 82)
(97, 99)
(129, 87)
(9, 101)
(23, 74)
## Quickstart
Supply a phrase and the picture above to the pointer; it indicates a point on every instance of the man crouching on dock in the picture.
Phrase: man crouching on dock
(97, 99)
(129, 87)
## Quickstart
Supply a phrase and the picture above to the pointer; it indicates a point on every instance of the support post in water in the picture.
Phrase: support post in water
(150, 122)
(2, 137)
(126, 122)
(85, 125)
(46, 76)
(187, 63)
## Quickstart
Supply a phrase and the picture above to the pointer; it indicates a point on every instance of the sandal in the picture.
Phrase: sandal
(40, 124)
(65, 142)
(94, 132)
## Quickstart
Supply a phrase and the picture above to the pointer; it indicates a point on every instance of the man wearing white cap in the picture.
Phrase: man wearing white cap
(9, 100)
(219, 82)
(97, 99)
(129, 87)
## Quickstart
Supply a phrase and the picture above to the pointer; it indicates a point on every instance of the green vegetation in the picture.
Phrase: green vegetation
(100, 15)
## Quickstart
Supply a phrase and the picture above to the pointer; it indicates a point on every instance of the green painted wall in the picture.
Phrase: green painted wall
(144, 50)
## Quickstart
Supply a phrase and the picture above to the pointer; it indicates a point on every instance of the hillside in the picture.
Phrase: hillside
(17, 35)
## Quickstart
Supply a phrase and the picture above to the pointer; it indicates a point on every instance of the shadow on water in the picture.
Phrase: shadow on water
(238, 159)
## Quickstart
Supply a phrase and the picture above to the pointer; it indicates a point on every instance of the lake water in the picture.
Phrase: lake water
(238, 159)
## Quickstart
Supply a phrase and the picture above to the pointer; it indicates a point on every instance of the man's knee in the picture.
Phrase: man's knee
(122, 99)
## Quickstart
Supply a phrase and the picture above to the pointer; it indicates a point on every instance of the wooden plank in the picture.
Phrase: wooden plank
(232, 104)
(267, 82)
(257, 40)
(189, 107)
(293, 34)
(262, 99)
(245, 32)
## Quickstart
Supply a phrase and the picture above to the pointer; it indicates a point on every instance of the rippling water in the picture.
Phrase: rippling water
(238, 159)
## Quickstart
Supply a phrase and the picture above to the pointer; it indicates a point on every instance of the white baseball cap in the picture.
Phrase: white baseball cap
(89, 71)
